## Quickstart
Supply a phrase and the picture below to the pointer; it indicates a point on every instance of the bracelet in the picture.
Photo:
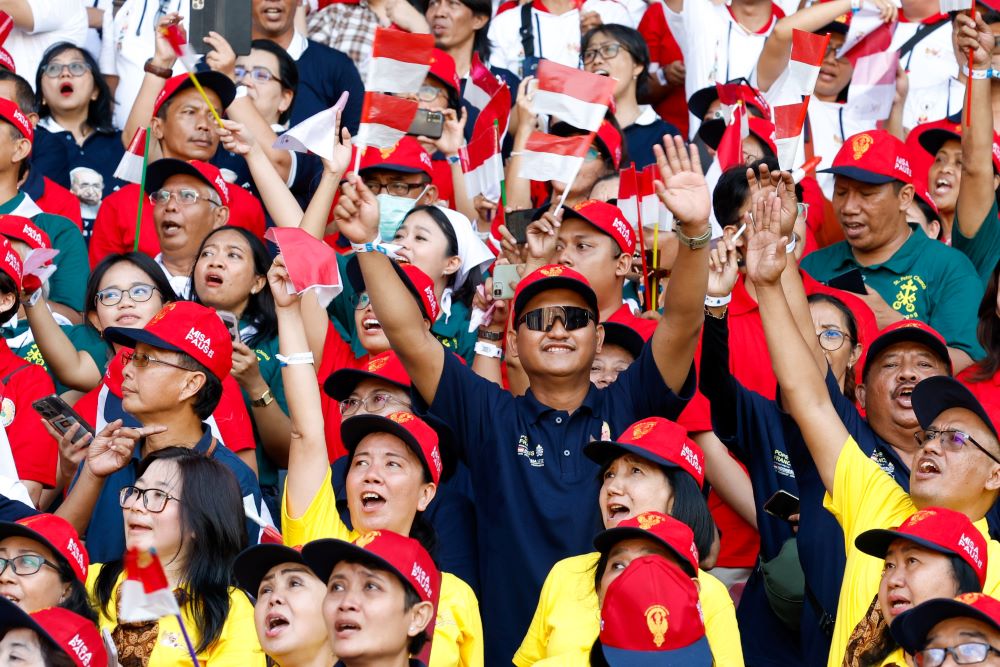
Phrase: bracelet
(790, 248)
(295, 359)
(717, 301)
(490, 335)
(720, 316)
(34, 298)
(371, 246)
(156, 70)
(488, 350)
(977, 73)
(453, 159)
(697, 242)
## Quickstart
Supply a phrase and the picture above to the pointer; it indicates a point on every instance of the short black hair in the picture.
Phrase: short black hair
(632, 41)
(24, 96)
(208, 397)
(7, 286)
(99, 111)
(288, 71)
(732, 190)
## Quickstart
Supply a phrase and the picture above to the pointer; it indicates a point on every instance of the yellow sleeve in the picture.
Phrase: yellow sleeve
(533, 645)
(104, 621)
(238, 645)
(458, 630)
(721, 630)
(320, 520)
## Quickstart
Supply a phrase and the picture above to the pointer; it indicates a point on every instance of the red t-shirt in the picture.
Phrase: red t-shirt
(663, 49)
(58, 200)
(337, 354)
(987, 391)
(624, 315)
(114, 226)
(35, 452)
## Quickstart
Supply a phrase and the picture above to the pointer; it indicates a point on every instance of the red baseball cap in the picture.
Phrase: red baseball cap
(11, 264)
(552, 276)
(407, 156)
(12, 113)
(384, 366)
(910, 629)
(403, 556)
(217, 81)
(675, 535)
(933, 139)
(72, 634)
(701, 100)
(253, 563)
(606, 217)
(184, 326)
(158, 172)
(22, 229)
(610, 139)
(922, 191)
(875, 157)
(902, 331)
(651, 617)
(57, 534)
(656, 439)
(418, 282)
(934, 528)
(406, 426)
(7, 60)
(443, 69)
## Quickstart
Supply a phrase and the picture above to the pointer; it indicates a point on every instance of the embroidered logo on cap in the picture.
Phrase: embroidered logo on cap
(436, 459)
(366, 539)
(688, 455)
(163, 313)
(201, 341)
(657, 620)
(903, 165)
(551, 271)
(74, 550)
(917, 518)
(641, 429)
(967, 545)
(969, 598)
(429, 293)
(220, 183)
(622, 228)
(33, 234)
(401, 417)
(647, 520)
(861, 144)
(377, 363)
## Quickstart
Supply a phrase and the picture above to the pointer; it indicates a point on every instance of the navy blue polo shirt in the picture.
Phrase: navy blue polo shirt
(106, 534)
(56, 153)
(645, 132)
(536, 493)
(325, 73)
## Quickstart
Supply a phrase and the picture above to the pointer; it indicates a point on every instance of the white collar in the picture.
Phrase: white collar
(647, 116)
(297, 46)
(181, 284)
(445, 303)
(50, 124)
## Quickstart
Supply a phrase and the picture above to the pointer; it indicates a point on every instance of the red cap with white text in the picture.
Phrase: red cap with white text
(910, 629)
(657, 439)
(57, 534)
(12, 113)
(874, 157)
(552, 276)
(71, 633)
(22, 229)
(606, 217)
(675, 535)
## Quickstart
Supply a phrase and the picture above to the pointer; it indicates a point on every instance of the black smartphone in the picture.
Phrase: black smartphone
(428, 124)
(517, 222)
(230, 18)
(60, 415)
(782, 505)
(529, 66)
(852, 281)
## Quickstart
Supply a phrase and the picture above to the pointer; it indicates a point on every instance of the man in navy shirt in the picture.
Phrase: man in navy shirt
(536, 492)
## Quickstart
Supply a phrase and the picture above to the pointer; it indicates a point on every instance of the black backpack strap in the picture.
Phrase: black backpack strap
(527, 35)
(921, 32)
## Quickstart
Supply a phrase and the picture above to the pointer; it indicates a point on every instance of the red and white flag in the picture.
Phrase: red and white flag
(496, 114)
(482, 84)
(400, 61)
(730, 150)
(311, 264)
(178, 42)
(654, 212)
(788, 122)
(6, 25)
(547, 157)
(133, 163)
(483, 165)
(628, 196)
(316, 134)
(871, 36)
(799, 78)
(873, 85)
(572, 95)
(384, 120)
(145, 593)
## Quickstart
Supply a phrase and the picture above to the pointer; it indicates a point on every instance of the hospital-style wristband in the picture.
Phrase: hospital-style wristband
(717, 301)
(977, 73)
(488, 350)
(371, 246)
(790, 248)
(296, 359)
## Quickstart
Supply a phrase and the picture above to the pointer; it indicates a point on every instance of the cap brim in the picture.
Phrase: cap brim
(389, 166)
(702, 99)
(911, 628)
(218, 82)
(158, 172)
(323, 555)
(253, 563)
(341, 383)
(858, 174)
(607, 539)
(711, 132)
(555, 282)
(357, 280)
(13, 529)
(623, 336)
(697, 654)
(936, 394)
(12, 616)
(932, 140)
(876, 542)
(354, 429)
(130, 337)
(903, 335)
(602, 452)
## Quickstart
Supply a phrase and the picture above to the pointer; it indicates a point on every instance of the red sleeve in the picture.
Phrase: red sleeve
(58, 200)
(232, 418)
(336, 355)
(106, 236)
(86, 405)
(739, 541)
(35, 452)
(663, 49)
(245, 211)
(114, 226)
(442, 180)
(812, 194)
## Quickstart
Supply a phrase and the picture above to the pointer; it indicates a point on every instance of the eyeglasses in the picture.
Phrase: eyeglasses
(153, 500)
(971, 653)
(543, 319)
(607, 51)
(952, 439)
(360, 300)
(112, 296)
(373, 403)
(832, 340)
(142, 360)
(396, 188)
(184, 197)
(257, 74)
(428, 93)
(25, 565)
(76, 68)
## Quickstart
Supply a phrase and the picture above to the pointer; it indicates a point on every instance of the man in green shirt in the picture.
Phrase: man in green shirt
(907, 275)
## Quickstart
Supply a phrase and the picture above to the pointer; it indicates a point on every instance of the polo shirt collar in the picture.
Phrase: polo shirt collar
(903, 258)
(742, 303)
(203, 445)
(647, 116)
(298, 45)
(536, 409)
(181, 284)
(23, 203)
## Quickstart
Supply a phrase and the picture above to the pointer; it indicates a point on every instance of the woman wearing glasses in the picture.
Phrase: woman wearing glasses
(75, 126)
(188, 508)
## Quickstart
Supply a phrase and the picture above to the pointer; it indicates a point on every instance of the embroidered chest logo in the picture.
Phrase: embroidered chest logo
(657, 620)
(905, 301)
(535, 455)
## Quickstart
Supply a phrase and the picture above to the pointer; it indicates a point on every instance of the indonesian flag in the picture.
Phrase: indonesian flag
(873, 85)
(547, 157)
(178, 42)
(316, 134)
(133, 163)
(654, 212)
(732, 94)
(872, 36)
(6, 25)
(483, 165)
(572, 95)
(384, 120)
(482, 84)
(145, 594)
(311, 264)
(799, 78)
(400, 61)
(628, 196)
(495, 114)
(788, 122)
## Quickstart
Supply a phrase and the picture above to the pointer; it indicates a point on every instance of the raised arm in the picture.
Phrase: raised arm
(802, 384)
(518, 188)
(683, 191)
(72, 367)
(142, 107)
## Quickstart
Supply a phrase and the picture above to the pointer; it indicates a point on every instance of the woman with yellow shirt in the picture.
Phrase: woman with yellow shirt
(188, 508)
(652, 467)
(393, 470)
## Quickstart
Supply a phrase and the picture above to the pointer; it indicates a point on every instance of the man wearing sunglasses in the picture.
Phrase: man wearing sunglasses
(525, 453)
(965, 629)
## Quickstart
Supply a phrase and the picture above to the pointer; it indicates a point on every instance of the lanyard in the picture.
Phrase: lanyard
(840, 121)
(729, 39)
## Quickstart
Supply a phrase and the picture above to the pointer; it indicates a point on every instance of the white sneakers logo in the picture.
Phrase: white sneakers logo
(201, 342)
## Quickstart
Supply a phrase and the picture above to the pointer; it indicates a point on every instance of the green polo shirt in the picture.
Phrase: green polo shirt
(924, 280)
(984, 248)
(270, 369)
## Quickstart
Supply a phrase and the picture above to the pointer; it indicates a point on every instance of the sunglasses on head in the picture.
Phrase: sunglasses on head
(543, 319)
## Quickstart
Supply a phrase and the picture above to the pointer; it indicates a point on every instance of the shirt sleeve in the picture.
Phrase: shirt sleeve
(320, 520)
(49, 15)
(640, 391)
(106, 234)
(721, 629)
(533, 645)
(983, 250)
(34, 450)
(463, 616)
(954, 312)
(238, 645)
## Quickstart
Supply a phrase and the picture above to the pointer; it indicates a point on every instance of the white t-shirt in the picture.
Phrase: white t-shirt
(557, 37)
(55, 21)
(831, 123)
(933, 73)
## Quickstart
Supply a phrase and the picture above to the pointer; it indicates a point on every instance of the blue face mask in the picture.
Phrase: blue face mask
(391, 211)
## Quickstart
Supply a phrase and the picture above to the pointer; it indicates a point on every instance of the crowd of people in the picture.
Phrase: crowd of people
(762, 428)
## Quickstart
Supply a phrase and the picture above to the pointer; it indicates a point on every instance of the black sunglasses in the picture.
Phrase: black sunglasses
(543, 319)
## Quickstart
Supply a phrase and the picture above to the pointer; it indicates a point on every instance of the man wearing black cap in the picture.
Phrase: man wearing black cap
(966, 628)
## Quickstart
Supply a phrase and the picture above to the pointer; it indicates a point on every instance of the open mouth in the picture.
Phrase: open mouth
(66, 89)
(371, 500)
(274, 623)
(371, 325)
(213, 280)
(602, 72)
(617, 512)
(557, 348)
(346, 626)
(926, 466)
(274, 13)
(12, 598)
(942, 186)
(903, 394)
(169, 228)
(898, 606)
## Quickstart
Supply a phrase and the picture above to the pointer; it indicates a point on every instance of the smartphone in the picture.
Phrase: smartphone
(505, 278)
(529, 66)
(782, 505)
(428, 124)
(61, 416)
(230, 18)
(517, 222)
(232, 323)
(852, 281)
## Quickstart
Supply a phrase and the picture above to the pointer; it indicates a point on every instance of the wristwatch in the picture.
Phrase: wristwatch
(265, 399)
(156, 70)
(697, 242)
(490, 335)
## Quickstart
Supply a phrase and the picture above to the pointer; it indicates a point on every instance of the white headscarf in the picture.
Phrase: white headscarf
(472, 251)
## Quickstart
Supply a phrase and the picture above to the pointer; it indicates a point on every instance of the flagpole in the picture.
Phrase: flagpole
(187, 640)
(496, 145)
(201, 91)
(642, 242)
(569, 185)
(142, 190)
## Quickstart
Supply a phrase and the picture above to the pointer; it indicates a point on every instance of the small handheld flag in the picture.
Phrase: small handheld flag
(184, 52)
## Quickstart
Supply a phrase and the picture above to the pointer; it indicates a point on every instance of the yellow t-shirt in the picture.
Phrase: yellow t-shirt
(568, 619)
(864, 497)
(458, 633)
(237, 646)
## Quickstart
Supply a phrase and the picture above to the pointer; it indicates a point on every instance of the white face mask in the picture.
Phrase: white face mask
(391, 211)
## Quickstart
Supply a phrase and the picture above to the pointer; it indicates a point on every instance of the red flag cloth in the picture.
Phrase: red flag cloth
(628, 195)
(311, 263)
(730, 150)
(572, 95)
(133, 162)
(483, 165)
(877, 41)
(482, 84)
(497, 111)
(178, 42)
(384, 120)
(809, 47)
(400, 61)
(547, 157)
(6, 25)
(145, 593)
(788, 122)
